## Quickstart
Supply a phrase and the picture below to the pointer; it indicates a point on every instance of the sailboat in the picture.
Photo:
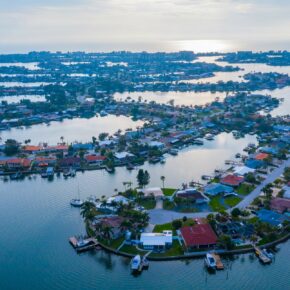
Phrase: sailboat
(77, 202)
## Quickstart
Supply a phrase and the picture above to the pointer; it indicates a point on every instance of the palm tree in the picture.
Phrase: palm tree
(88, 210)
(61, 138)
(162, 179)
(107, 231)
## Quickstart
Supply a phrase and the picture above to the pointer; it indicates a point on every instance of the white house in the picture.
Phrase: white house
(156, 241)
(155, 191)
(243, 170)
(118, 199)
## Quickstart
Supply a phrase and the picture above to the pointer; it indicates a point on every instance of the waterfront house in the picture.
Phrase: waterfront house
(254, 164)
(198, 236)
(94, 159)
(193, 195)
(232, 180)
(120, 199)
(243, 170)
(42, 161)
(280, 205)
(113, 222)
(156, 192)
(261, 156)
(123, 157)
(31, 149)
(271, 217)
(156, 241)
(214, 189)
(18, 163)
(70, 162)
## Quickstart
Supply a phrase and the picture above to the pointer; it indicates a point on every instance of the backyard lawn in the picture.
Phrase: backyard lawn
(175, 250)
(148, 203)
(168, 191)
(164, 227)
(245, 189)
(231, 201)
(215, 204)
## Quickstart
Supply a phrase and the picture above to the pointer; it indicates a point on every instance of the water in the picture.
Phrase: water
(78, 129)
(18, 98)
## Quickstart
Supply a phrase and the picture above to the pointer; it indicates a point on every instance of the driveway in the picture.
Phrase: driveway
(160, 216)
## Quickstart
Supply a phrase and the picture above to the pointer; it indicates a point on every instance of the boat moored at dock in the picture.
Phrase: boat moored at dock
(210, 261)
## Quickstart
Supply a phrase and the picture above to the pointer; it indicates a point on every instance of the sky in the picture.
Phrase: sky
(104, 24)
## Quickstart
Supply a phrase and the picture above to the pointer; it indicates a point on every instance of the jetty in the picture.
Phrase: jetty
(218, 261)
(83, 245)
(262, 256)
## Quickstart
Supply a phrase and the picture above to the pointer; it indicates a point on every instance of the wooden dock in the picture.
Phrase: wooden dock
(263, 258)
(91, 244)
(219, 263)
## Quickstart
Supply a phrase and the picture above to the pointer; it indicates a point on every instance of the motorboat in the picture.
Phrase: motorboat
(210, 261)
(268, 254)
(76, 202)
(135, 263)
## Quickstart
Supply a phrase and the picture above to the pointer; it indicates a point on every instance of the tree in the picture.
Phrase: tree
(88, 210)
(11, 147)
(225, 242)
(103, 136)
(94, 140)
(236, 212)
(177, 224)
(162, 179)
(140, 177)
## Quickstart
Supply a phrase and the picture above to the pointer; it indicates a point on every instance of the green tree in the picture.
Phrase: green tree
(11, 147)
(163, 180)
(177, 224)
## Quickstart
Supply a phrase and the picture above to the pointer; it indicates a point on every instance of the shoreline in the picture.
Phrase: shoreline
(197, 255)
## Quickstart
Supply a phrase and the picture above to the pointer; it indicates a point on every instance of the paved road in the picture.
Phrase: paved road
(160, 216)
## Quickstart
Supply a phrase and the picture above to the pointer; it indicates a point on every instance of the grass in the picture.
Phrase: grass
(148, 203)
(245, 189)
(215, 204)
(231, 201)
(131, 250)
(114, 244)
(168, 191)
(175, 250)
(164, 227)
(253, 220)
(168, 205)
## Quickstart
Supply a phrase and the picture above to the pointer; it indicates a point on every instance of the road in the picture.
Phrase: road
(160, 216)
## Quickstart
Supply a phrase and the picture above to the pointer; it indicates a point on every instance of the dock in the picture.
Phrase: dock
(263, 258)
(219, 263)
(91, 243)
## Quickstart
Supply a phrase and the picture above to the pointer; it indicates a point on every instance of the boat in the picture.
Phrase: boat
(268, 254)
(209, 137)
(210, 261)
(145, 263)
(173, 152)
(198, 142)
(135, 263)
(17, 175)
(76, 202)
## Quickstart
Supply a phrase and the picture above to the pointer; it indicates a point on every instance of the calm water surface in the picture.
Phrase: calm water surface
(78, 129)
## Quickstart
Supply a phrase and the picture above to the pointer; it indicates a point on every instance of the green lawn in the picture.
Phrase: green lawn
(231, 201)
(175, 250)
(253, 220)
(245, 189)
(114, 244)
(161, 228)
(215, 204)
(168, 205)
(148, 203)
(168, 191)
(131, 250)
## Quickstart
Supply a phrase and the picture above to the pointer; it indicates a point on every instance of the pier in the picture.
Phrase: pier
(263, 258)
(219, 263)
(86, 245)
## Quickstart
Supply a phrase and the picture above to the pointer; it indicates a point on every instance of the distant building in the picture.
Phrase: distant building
(213, 189)
(232, 180)
(280, 205)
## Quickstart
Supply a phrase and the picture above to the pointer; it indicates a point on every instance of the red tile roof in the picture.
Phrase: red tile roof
(198, 235)
(95, 158)
(32, 148)
(280, 204)
(261, 156)
(232, 180)
(19, 161)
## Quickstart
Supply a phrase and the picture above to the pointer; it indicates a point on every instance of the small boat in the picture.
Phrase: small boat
(16, 176)
(209, 137)
(76, 202)
(173, 152)
(238, 155)
(210, 261)
(145, 262)
(198, 142)
(130, 166)
(268, 254)
(135, 263)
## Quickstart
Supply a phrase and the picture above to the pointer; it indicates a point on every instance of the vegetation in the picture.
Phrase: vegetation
(147, 203)
(232, 201)
(215, 204)
(143, 177)
(245, 189)
(168, 191)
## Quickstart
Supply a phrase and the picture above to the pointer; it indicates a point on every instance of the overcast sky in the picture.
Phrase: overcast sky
(66, 24)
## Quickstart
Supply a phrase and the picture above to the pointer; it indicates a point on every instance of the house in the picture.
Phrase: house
(193, 195)
(70, 162)
(280, 205)
(214, 189)
(83, 146)
(114, 223)
(156, 241)
(31, 149)
(153, 191)
(123, 156)
(43, 161)
(232, 180)
(271, 217)
(261, 156)
(18, 163)
(156, 144)
(235, 230)
(243, 170)
(117, 199)
(198, 236)
(254, 164)
(94, 159)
